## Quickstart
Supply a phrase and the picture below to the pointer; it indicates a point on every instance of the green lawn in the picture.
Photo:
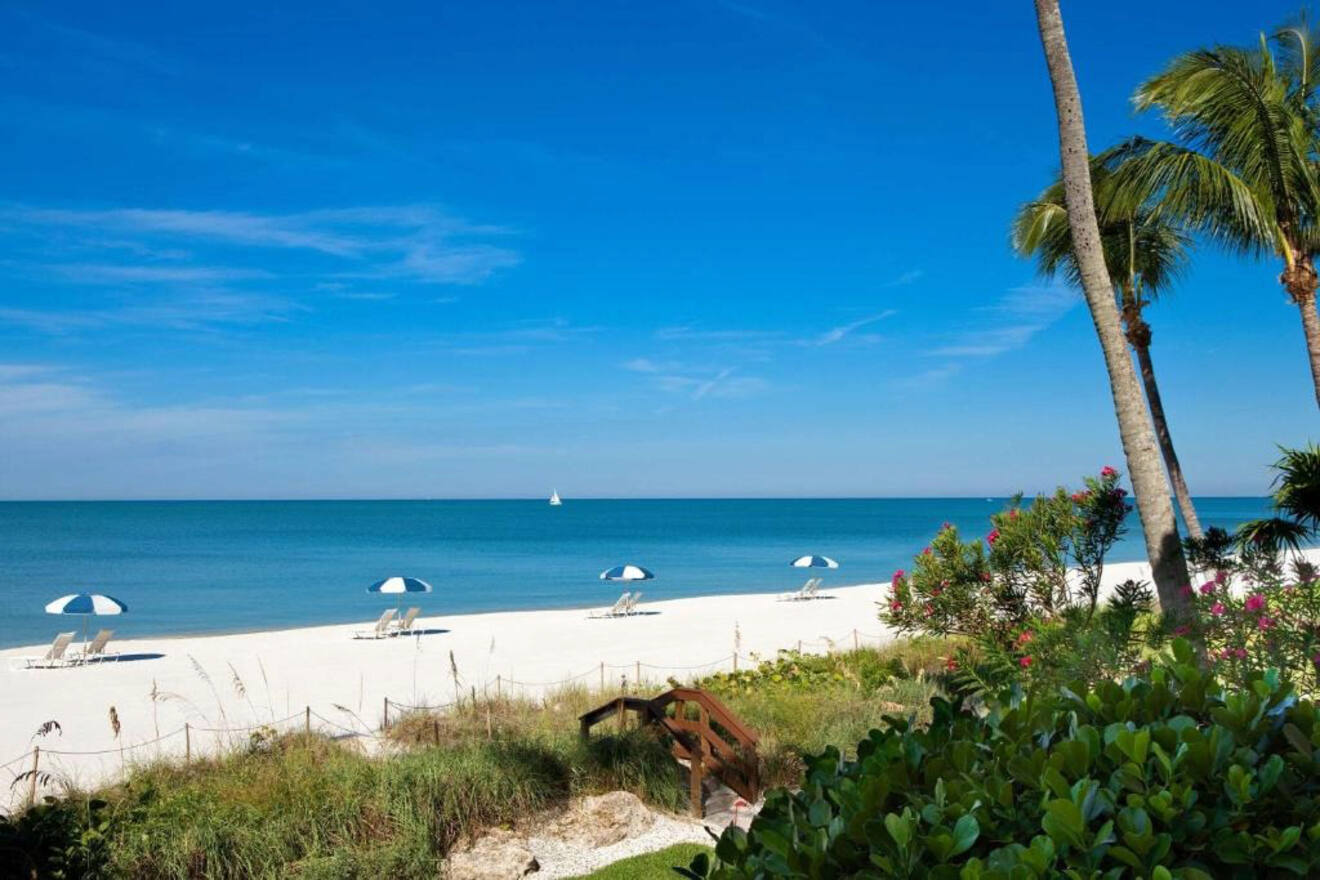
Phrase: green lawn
(650, 865)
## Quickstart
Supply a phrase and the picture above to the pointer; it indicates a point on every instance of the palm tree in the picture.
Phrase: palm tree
(1168, 566)
(1243, 170)
(1143, 253)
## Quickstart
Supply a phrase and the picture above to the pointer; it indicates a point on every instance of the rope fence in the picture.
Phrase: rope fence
(28, 767)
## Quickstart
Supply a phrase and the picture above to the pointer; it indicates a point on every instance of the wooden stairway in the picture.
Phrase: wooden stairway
(709, 738)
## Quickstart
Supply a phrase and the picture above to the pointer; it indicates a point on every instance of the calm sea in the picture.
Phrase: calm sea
(210, 566)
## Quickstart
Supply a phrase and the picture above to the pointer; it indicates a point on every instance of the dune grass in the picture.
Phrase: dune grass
(310, 807)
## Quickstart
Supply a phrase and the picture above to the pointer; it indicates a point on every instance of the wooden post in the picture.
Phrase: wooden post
(32, 783)
(638, 675)
(602, 675)
(499, 686)
(307, 721)
(187, 743)
(489, 735)
(386, 724)
(435, 730)
(799, 646)
(735, 661)
(856, 645)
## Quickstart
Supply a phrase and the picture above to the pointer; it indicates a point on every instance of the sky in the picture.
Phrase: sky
(619, 249)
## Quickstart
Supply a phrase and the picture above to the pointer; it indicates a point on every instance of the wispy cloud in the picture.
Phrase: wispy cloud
(409, 242)
(908, 277)
(197, 311)
(841, 332)
(1012, 322)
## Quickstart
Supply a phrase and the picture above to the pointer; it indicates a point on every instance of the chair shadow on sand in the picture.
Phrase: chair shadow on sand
(128, 658)
(421, 632)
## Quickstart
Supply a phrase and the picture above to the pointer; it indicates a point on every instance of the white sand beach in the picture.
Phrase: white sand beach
(345, 681)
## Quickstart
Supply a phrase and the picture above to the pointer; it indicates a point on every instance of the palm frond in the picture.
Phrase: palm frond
(1297, 485)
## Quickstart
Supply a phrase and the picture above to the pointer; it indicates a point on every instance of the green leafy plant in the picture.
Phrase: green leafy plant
(1165, 775)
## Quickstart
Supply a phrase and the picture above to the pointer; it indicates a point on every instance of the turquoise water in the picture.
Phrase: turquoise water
(208, 566)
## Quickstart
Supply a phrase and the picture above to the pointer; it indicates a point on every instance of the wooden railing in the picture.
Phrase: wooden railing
(715, 742)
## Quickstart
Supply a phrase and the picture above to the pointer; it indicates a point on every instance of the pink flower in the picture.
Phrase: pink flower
(930, 609)
(1207, 588)
(895, 605)
(1024, 662)
(1221, 577)
(1241, 653)
(1013, 514)
(925, 552)
(946, 526)
(1217, 609)
(1316, 659)
(1108, 472)
(1255, 602)
(952, 664)
(1182, 630)
(898, 575)
(1024, 638)
(1265, 622)
(993, 536)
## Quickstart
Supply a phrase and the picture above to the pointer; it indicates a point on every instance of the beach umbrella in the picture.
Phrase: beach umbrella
(86, 604)
(400, 585)
(626, 573)
(814, 562)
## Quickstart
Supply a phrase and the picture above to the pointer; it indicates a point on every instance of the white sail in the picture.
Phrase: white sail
(554, 499)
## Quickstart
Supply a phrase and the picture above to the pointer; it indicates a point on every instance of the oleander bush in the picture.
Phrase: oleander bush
(1163, 776)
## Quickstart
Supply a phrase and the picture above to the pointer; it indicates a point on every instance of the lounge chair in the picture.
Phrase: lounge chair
(631, 607)
(55, 656)
(813, 589)
(380, 630)
(806, 591)
(618, 609)
(95, 651)
(405, 624)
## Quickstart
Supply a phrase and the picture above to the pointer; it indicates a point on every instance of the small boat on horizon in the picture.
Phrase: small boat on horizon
(554, 499)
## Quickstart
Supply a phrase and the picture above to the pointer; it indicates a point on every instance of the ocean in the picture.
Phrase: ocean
(224, 566)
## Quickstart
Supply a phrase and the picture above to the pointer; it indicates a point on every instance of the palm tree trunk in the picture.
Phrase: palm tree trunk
(1311, 327)
(1145, 469)
(1180, 493)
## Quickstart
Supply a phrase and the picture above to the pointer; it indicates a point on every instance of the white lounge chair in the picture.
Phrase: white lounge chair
(55, 656)
(813, 589)
(405, 624)
(95, 652)
(631, 607)
(618, 609)
(380, 630)
(806, 591)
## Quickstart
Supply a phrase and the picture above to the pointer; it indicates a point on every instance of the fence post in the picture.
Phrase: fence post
(187, 743)
(307, 720)
(602, 675)
(435, 729)
(499, 686)
(735, 661)
(856, 646)
(637, 677)
(386, 724)
(32, 785)
(799, 646)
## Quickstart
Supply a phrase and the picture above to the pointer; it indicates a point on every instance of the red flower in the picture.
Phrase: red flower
(895, 605)
(1013, 514)
(1217, 609)
(898, 575)
(1265, 622)
(1024, 637)
(1024, 662)
(925, 552)
(1207, 588)
(993, 536)
(1255, 602)
(985, 576)
(952, 664)
(1108, 472)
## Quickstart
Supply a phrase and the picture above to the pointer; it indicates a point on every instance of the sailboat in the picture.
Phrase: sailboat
(554, 499)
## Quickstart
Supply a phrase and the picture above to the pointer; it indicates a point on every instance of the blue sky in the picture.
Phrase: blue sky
(622, 249)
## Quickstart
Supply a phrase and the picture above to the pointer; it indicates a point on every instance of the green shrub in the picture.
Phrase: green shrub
(1165, 776)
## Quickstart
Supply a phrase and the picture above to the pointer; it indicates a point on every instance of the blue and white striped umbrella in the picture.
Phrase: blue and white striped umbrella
(86, 603)
(626, 573)
(400, 585)
(814, 562)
